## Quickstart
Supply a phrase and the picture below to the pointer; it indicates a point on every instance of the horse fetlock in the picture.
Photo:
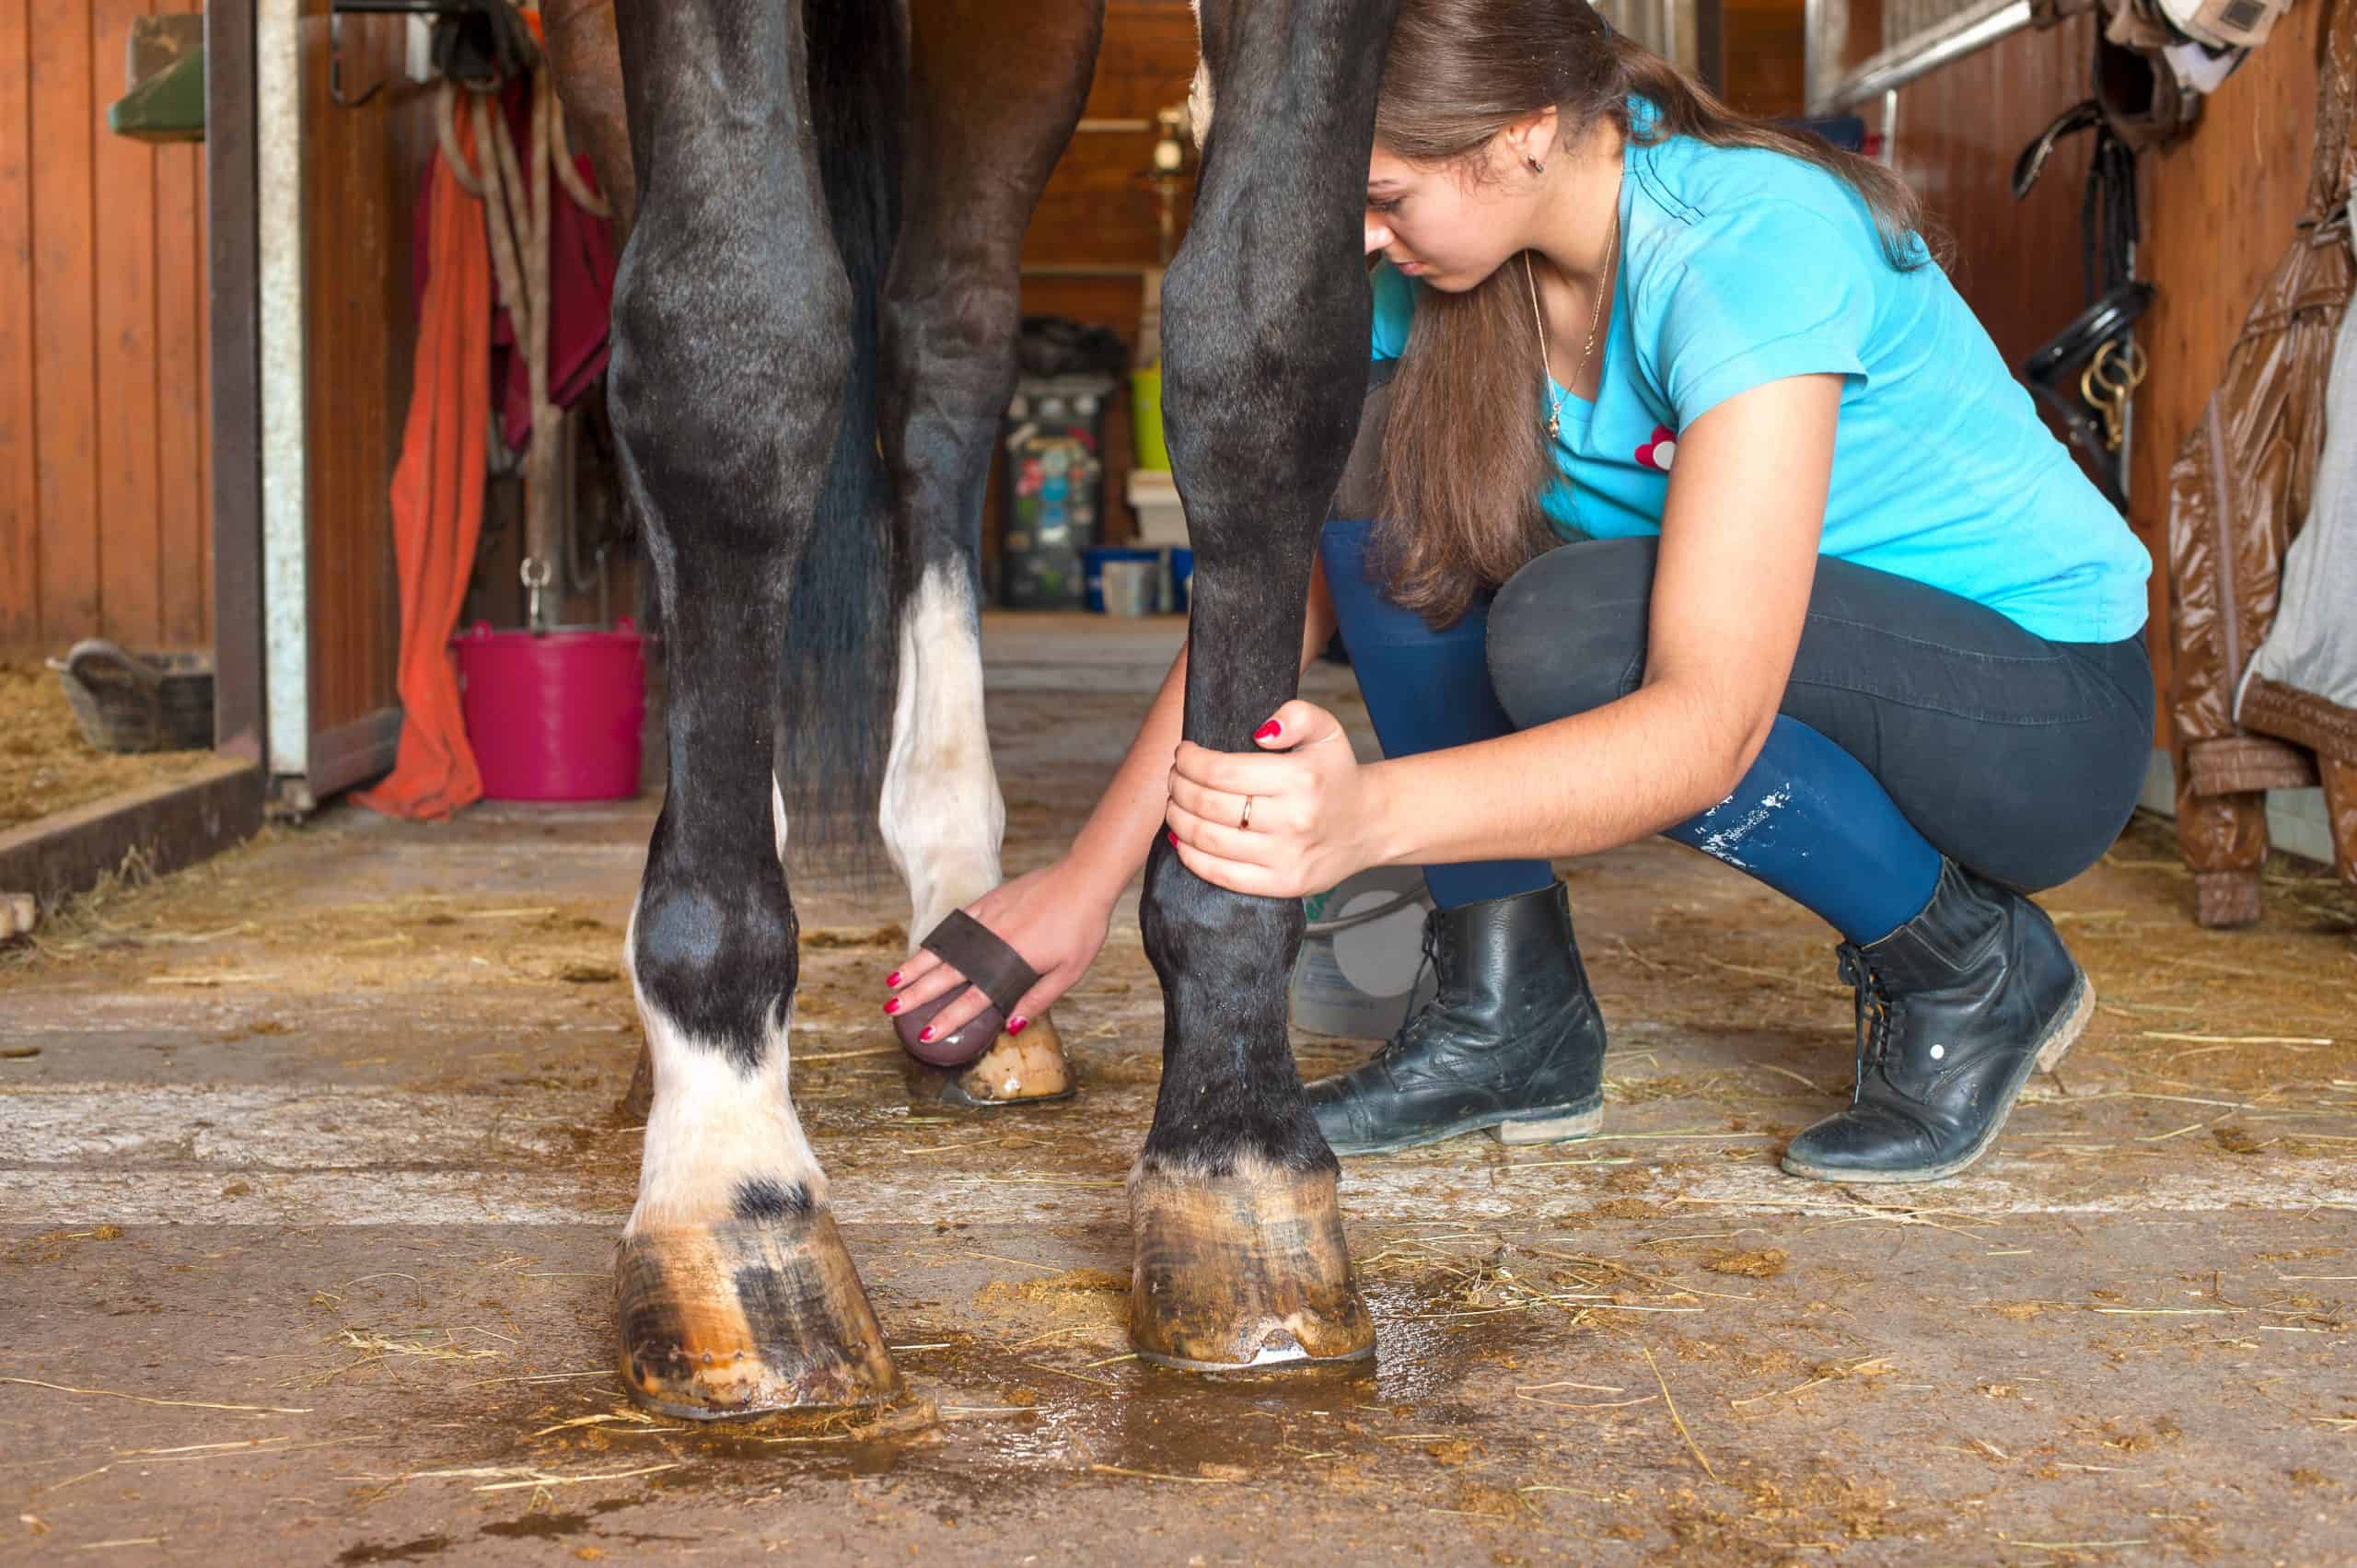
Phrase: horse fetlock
(720, 970)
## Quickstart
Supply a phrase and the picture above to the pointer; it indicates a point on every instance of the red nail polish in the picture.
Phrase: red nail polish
(893, 979)
(1267, 730)
(1017, 1026)
(925, 1033)
(1172, 836)
(893, 1005)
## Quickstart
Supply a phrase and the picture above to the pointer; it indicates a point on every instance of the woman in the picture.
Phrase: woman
(1784, 566)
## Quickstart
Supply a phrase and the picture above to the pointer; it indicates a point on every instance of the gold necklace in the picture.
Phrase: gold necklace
(1612, 245)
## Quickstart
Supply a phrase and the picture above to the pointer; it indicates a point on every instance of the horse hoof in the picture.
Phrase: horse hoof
(1243, 1271)
(1025, 1069)
(746, 1317)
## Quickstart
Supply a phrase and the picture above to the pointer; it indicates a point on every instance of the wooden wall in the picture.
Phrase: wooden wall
(1095, 233)
(361, 168)
(2220, 210)
(104, 525)
(1765, 47)
(1957, 133)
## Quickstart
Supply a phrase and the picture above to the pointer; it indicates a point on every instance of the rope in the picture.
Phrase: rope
(517, 212)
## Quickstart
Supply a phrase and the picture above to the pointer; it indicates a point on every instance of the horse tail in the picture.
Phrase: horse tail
(840, 640)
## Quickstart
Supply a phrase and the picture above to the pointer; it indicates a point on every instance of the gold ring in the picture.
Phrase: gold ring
(1247, 822)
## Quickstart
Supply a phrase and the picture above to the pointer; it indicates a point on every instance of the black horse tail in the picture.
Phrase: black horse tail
(842, 643)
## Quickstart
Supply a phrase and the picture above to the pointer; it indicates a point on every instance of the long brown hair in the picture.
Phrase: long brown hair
(1463, 468)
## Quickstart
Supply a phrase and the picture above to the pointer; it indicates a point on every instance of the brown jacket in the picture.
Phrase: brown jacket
(2238, 494)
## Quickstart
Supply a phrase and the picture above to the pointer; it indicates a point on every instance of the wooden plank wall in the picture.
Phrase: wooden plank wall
(105, 524)
(1959, 132)
(2220, 209)
(1766, 53)
(361, 168)
(1098, 213)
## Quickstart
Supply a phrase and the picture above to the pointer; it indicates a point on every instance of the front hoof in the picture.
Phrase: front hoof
(1242, 1271)
(1025, 1069)
(746, 1317)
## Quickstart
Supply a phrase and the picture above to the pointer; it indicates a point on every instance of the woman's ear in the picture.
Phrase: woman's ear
(1531, 139)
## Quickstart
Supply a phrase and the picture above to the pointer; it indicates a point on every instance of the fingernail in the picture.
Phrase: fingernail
(893, 979)
(893, 1005)
(1267, 730)
(925, 1033)
(1172, 836)
(1018, 1025)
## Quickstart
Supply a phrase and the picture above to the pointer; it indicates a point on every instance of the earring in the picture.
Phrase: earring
(1536, 167)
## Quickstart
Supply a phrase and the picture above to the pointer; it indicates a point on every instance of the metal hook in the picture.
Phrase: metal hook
(335, 66)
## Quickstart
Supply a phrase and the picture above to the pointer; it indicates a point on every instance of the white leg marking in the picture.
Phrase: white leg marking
(777, 816)
(1199, 91)
(942, 816)
(713, 1127)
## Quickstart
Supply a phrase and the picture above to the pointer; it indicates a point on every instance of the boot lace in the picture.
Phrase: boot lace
(1873, 1012)
(1430, 961)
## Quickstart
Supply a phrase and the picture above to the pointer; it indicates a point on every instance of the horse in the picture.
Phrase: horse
(813, 333)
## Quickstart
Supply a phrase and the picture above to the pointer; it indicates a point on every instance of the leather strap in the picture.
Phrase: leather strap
(989, 965)
(2082, 116)
(2107, 318)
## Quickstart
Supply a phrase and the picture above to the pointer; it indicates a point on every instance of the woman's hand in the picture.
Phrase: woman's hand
(1055, 917)
(1317, 815)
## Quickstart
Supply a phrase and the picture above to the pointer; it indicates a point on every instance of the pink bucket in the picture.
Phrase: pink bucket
(557, 717)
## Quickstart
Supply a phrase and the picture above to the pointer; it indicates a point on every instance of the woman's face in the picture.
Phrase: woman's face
(1449, 224)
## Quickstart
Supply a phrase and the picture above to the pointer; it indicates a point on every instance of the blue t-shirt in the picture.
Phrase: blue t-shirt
(1742, 266)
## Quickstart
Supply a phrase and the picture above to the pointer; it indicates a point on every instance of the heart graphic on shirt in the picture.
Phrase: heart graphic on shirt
(1660, 452)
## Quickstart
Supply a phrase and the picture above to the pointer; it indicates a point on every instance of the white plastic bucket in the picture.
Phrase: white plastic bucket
(1362, 954)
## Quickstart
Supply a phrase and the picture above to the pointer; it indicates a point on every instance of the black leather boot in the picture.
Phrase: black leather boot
(1955, 1010)
(1512, 1040)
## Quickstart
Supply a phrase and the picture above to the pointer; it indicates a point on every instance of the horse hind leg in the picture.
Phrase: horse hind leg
(735, 1291)
(951, 311)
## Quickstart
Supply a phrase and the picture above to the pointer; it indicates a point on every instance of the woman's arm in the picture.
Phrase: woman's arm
(1112, 844)
(1057, 917)
(1738, 555)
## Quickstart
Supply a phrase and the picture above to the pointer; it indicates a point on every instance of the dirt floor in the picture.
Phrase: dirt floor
(309, 1179)
(46, 766)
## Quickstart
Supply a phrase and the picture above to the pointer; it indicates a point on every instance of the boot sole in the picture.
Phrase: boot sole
(2060, 1037)
(1514, 1128)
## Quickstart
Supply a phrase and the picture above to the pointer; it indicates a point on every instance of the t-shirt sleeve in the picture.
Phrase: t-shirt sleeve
(1394, 310)
(1761, 292)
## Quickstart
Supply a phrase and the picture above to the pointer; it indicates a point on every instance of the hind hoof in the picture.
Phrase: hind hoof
(1028, 1069)
(747, 1318)
(1243, 1271)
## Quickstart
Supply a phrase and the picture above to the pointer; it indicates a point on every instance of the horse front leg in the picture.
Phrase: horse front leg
(1240, 1259)
(735, 1291)
(999, 102)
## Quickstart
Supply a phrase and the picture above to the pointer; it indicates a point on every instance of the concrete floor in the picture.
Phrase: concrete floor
(309, 1179)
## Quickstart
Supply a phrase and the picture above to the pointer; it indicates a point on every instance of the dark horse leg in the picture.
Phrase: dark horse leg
(1240, 1258)
(992, 105)
(731, 345)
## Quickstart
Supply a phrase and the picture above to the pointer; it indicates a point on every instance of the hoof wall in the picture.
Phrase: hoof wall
(1242, 1272)
(748, 1317)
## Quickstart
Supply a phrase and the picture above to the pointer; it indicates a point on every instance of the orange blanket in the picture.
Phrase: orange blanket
(437, 504)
